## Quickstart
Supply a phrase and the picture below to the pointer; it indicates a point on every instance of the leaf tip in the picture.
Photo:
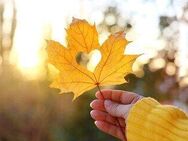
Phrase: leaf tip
(47, 42)
(74, 98)
(75, 20)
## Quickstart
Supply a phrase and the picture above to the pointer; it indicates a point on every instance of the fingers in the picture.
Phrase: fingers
(98, 105)
(113, 108)
(106, 114)
(116, 109)
(103, 116)
(110, 129)
(119, 96)
(99, 113)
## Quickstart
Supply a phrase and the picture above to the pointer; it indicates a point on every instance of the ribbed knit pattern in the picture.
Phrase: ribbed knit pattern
(150, 121)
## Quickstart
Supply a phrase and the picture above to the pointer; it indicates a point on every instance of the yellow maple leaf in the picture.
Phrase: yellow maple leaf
(83, 37)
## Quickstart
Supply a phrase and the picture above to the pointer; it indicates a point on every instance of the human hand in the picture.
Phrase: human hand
(110, 106)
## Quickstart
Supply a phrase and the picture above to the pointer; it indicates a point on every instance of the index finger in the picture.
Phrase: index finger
(119, 96)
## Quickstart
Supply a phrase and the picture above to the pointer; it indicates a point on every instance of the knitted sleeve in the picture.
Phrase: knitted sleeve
(150, 121)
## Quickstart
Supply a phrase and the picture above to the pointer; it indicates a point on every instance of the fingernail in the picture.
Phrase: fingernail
(95, 122)
(91, 104)
(107, 102)
(91, 113)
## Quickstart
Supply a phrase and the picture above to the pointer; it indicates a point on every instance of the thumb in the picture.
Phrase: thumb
(116, 109)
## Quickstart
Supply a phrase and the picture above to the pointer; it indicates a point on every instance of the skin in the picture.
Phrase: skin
(110, 106)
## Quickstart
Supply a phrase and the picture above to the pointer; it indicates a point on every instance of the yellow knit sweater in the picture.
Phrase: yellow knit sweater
(150, 121)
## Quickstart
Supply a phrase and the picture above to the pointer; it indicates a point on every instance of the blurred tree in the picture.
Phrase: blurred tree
(113, 21)
(7, 29)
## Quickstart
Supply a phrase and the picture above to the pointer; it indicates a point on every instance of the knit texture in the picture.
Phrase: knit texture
(150, 121)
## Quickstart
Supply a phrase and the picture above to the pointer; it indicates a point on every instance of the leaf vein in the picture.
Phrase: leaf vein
(116, 70)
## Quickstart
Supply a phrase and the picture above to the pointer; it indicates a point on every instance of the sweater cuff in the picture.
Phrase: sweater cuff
(149, 120)
(138, 117)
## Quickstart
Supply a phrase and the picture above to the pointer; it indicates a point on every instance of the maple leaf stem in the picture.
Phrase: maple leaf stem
(118, 122)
